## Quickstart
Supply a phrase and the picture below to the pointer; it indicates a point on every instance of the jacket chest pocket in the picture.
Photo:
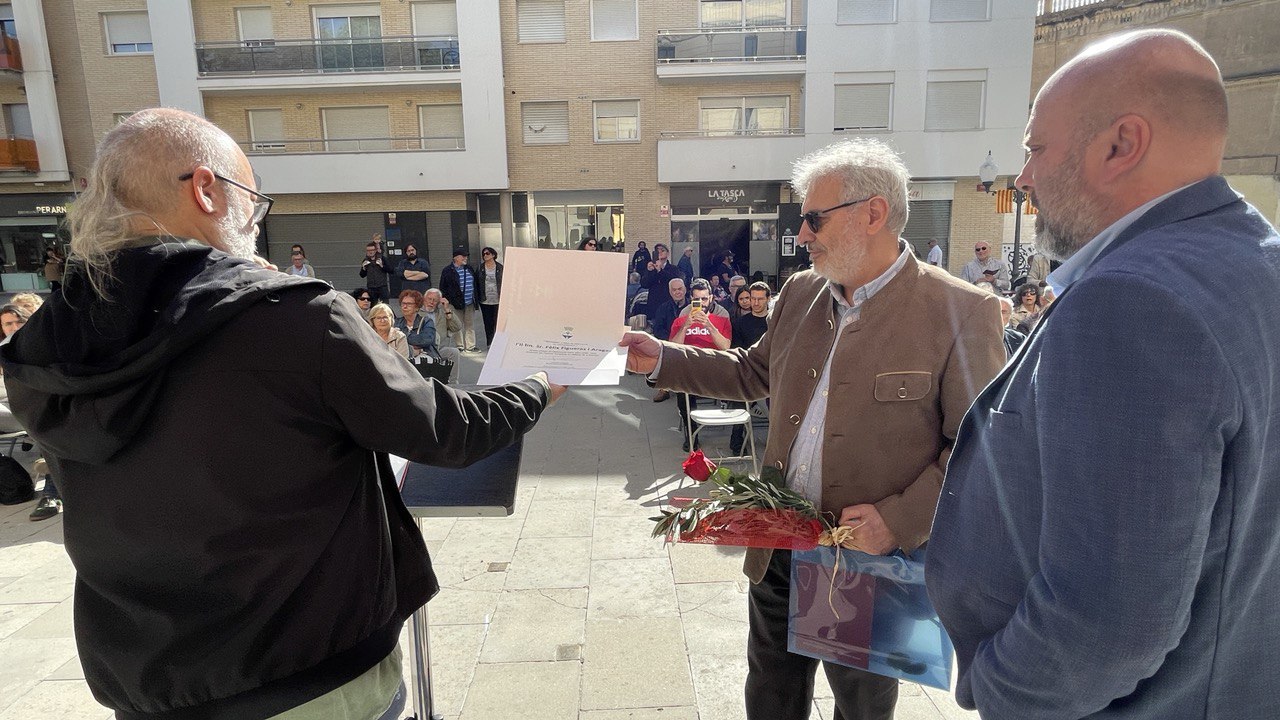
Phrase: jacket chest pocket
(903, 386)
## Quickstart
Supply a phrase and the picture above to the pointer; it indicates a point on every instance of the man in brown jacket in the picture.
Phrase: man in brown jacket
(871, 360)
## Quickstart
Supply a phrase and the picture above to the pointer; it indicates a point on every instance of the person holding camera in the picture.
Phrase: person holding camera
(986, 270)
(701, 325)
(376, 270)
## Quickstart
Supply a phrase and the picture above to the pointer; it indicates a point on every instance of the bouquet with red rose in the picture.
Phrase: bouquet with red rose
(746, 511)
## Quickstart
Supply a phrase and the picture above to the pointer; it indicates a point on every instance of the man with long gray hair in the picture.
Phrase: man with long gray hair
(218, 575)
(870, 361)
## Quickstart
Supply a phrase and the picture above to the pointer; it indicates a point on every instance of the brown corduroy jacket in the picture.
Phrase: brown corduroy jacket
(901, 380)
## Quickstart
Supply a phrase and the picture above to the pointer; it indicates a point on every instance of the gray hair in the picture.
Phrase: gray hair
(435, 291)
(136, 175)
(633, 277)
(865, 167)
(673, 281)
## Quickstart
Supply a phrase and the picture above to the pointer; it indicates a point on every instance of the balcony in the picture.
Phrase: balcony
(284, 64)
(10, 54)
(18, 155)
(354, 145)
(376, 164)
(722, 156)
(723, 52)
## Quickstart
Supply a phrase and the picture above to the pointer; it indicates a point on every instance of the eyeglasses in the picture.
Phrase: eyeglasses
(815, 219)
(261, 203)
(980, 249)
(363, 299)
(590, 245)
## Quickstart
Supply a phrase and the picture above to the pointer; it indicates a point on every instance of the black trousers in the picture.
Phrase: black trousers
(489, 313)
(379, 294)
(780, 684)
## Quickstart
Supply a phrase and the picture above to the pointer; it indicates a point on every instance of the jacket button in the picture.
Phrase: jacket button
(795, 419)
(813, 373)
(831, 324)
(778, 464)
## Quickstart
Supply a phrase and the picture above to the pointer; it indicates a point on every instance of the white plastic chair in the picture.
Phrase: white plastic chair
(721, 417)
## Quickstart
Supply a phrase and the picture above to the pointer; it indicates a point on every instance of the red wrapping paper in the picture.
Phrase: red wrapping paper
(757, 528)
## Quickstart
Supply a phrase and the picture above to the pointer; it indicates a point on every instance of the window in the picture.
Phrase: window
(7, 26)
(540, 21)
(955, 105)
(17, 118)
(866, 12)
(266, 130)
(438, 17)
(742, 13)
(255, 26)
(958, 10)
(743, 115)
(614, 20)
(128, 33)
(864, 106)
(340, 27)
(617, 120)
(441, 127)
(545, 123)
(351, 129)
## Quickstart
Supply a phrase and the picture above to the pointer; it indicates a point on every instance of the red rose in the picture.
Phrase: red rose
(698, 467)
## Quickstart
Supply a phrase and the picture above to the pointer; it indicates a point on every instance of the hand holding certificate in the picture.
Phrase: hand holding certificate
(559, 313)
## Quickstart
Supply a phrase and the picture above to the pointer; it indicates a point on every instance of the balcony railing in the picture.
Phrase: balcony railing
(293, 57)
(755, 132)
(1052, 6)
(10, 54)
(354, 145)
(18, 154)
(731, 45)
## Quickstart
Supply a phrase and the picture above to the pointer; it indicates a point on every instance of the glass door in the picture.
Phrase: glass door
(340, 47)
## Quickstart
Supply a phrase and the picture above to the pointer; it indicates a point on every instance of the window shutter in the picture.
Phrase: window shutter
(545, 123)
(760, 13)
(952, 10)
(621, 119)
(266, 130)
(439, 17)
(441, 127)
(255, 23)
(342, 11)
(613, 20)
(928, 220)
(953, 105)
(867, 11)
(863, 107)
(128, 28)
(343, 126)
(719, 13)
(540, 20)
(19, 117)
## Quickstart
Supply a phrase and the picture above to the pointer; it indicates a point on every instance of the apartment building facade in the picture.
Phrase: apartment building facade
(533, 122)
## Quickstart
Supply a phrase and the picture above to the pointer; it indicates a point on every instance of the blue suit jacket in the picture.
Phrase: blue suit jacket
(1107, 542)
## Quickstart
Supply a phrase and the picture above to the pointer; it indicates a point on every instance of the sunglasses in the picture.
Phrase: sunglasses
(815, 219)
(981, 249)
(261, 203)
(363, 299)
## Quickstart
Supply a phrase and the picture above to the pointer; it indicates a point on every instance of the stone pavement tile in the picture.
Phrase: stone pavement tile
(455, 651)
(16, 616)
(635, 663)
(52, 581)
(719, 681)
(625, 536)
(468, 594)
(23, 557)
(706, 563)
(565, 518)
(945, 701)
(666, 713)
(915, 707)
(533, 625)
(63, 699)
(714, 617)
(6, 580)
(27, 662)
(70, 670)
(636, 588)
(54, 623)
(476, 540)
(627, 495)
(562, 487)
(549, 563)
(524, 691)
(436, 528)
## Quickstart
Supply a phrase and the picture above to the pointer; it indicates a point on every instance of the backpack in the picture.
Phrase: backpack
(15, 483)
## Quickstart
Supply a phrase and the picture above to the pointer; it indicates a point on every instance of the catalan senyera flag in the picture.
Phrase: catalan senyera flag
(1004, 203)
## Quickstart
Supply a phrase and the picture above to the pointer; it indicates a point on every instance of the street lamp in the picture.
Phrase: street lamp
(987, 173)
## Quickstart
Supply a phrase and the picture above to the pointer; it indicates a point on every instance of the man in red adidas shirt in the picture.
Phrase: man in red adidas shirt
(700, 327)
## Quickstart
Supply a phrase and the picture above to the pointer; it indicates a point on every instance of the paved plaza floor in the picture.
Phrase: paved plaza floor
(567, 610)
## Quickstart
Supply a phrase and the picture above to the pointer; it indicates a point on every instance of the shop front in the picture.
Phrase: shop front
(738, 218)
(30, 223)
(565, 217)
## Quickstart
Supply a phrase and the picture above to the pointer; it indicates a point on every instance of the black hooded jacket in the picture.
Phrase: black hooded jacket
(219, 434)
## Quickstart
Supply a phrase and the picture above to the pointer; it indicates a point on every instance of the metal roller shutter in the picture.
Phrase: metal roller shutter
(540, 21)
(929, 220)
(334, 243)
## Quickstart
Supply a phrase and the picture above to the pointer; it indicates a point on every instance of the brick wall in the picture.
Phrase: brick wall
(230, 112)
(215, 20)
(368, 202)
(973, 218)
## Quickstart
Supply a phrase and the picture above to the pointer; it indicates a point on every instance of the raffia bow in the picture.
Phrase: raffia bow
(840, 536)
